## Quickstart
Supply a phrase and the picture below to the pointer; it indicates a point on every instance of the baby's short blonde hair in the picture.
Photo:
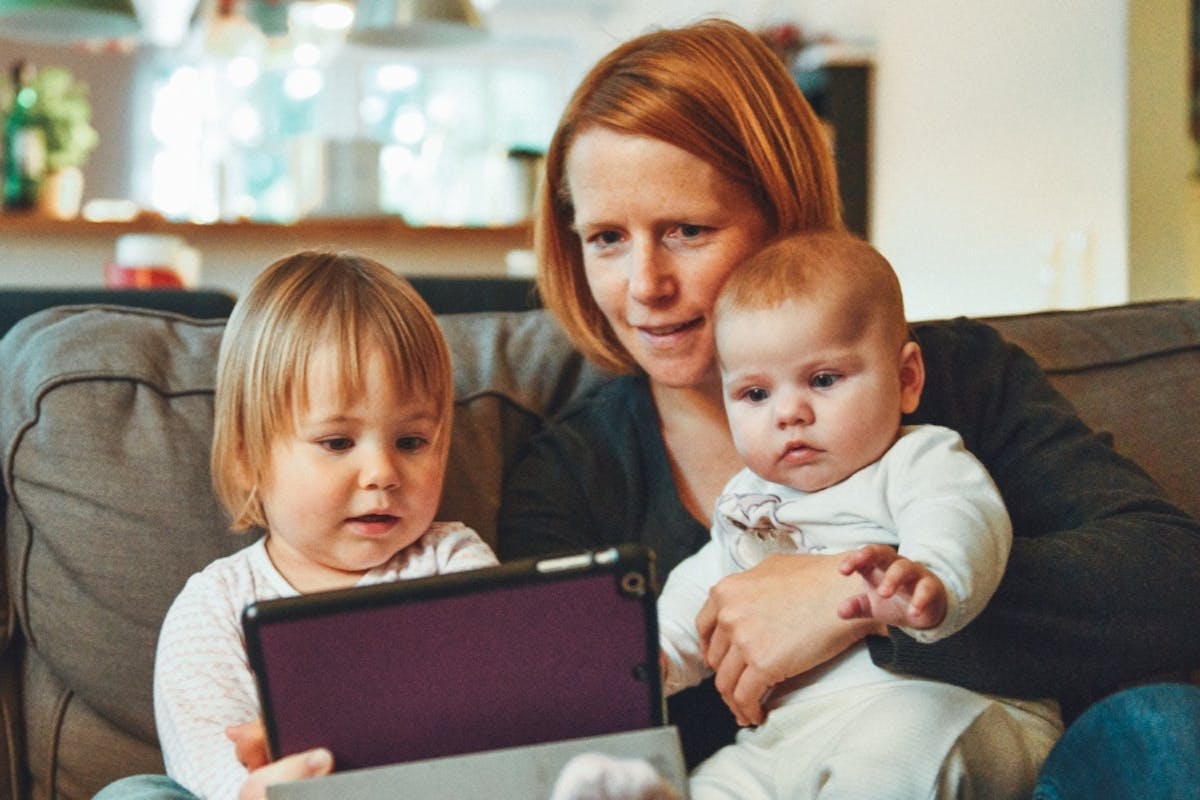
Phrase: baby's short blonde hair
(835, 266)
(296, 306)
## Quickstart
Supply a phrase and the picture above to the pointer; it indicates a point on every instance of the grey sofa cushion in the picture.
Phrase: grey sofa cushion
(107, 416)
(1133, 372)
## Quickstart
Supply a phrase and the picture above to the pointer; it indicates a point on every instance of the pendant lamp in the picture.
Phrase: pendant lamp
(66, 20)
(415, 23)
(165, 23)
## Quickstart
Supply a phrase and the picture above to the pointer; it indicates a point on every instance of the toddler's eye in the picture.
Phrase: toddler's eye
(411, 443)
(337, 444)
(824, 380)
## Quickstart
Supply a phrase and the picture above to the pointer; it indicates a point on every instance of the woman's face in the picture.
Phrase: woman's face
(661, 229)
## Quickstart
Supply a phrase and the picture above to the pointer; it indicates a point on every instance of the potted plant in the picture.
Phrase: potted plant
(63, 112)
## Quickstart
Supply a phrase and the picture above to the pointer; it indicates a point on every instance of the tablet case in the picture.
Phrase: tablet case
(528, 652)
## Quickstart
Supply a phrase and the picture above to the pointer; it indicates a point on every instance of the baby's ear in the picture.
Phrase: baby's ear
(912, 377)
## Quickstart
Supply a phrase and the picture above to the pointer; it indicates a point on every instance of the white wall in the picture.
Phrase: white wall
(1026, 154)
(1000, 172)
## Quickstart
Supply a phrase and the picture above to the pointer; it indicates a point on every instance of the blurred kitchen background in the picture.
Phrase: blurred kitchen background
(1006, 156)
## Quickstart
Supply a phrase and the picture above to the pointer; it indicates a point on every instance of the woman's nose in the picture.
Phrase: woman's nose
(651, 276)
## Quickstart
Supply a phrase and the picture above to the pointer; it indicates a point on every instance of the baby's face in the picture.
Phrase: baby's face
(812, 397)
(358, 479)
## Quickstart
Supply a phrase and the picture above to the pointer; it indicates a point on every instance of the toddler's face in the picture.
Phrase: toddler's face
(812, 396)
(358, 479)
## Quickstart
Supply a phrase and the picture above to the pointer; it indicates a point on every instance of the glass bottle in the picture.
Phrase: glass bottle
(24, 143)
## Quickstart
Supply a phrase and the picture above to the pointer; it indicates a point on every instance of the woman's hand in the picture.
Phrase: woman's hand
(250, 742)
(775, 621)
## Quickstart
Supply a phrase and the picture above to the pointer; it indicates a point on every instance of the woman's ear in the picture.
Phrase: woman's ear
(912, 377)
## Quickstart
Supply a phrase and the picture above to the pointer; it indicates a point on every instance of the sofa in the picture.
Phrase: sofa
(105, 419)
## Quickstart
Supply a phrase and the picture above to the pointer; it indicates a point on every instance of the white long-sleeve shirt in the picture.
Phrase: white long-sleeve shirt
(926, 495)
(202, 679)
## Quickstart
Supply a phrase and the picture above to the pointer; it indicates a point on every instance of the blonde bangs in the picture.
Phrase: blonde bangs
(297, 307)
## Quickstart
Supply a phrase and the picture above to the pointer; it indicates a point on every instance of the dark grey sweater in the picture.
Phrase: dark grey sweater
(1101, 585)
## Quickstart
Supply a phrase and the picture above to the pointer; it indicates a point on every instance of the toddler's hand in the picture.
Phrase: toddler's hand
(899, 592)
(250, 743)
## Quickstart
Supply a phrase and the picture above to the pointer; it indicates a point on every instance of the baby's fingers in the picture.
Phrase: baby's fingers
(867, 558)
(901, 576)
(927, 607)
(857, 607)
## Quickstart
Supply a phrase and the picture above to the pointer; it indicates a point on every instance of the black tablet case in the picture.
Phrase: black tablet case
(528, 652)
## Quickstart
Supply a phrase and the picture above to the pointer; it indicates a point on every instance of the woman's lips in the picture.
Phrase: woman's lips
(659, 333)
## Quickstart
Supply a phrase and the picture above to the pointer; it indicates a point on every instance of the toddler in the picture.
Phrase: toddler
(332, 427)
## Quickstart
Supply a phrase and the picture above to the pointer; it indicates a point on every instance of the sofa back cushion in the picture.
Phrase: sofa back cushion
(1132, 372)
(106, 419)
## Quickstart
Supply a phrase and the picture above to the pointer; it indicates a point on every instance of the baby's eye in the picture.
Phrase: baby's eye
(824, 380)
(756, 394)
(411, 443)
(337, 444)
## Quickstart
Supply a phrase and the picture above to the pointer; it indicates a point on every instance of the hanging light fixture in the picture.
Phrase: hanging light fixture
(415, 23)
(165, 23)
(66, 20)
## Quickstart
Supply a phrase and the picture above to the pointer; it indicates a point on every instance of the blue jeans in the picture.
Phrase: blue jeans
(1137, 744)
(144, 787)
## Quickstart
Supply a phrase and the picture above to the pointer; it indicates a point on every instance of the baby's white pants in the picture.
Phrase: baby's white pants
(896, 740)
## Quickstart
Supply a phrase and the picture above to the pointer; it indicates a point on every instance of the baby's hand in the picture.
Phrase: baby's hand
(596, 776)
(899, 592)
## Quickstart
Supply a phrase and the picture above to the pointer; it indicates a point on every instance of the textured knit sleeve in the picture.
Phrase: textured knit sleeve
(1100, 584)
(202, 684)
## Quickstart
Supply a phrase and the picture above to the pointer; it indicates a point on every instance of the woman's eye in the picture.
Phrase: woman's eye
(824, 380)
(686, 232)
(605, 238)
(337, 444)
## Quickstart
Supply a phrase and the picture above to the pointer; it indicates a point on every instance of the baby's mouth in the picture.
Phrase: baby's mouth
(373, 518)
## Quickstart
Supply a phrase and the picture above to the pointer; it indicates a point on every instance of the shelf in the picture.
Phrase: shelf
(37, 224)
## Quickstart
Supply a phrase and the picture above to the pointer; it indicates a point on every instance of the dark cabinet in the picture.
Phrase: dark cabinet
(840, 93)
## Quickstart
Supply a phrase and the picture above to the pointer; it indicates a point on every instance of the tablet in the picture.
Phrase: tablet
(528, 652)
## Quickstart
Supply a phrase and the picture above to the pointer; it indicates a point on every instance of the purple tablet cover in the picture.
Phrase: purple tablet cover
(461, 663)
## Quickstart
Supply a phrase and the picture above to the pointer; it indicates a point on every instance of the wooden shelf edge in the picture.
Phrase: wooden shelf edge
(39, 224)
